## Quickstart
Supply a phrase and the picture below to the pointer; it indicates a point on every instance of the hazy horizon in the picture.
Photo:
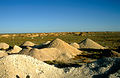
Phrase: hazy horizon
(36, 16)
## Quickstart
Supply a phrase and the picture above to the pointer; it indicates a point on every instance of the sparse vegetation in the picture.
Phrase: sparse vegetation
(107, 39)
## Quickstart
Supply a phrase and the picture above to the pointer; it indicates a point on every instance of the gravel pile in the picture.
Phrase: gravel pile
(4, 46)
(90, 44)
(46, 54)
(22, 66)
(27, 44)
(16, 49)
(64, 47)
(103, 68)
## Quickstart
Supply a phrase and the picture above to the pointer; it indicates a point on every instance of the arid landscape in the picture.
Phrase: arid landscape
(59, 38)
(60, 55)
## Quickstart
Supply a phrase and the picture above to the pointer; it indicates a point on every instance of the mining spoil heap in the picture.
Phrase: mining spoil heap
(64, 47)
(22, 66)
(90, 44)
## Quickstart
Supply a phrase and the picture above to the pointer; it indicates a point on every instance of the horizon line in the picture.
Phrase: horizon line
(52, 32)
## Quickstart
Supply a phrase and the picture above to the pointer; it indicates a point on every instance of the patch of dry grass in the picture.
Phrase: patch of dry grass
(109, 39)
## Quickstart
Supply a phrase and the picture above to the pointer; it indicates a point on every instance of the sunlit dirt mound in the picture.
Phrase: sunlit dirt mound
(64, 47)
(4, 46)
(28, 43)
(46, 54)
(90, 44)
(15, 49)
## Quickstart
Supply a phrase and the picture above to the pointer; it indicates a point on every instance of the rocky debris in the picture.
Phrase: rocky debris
(49, 54)
(16, 49)
(102, 68)
(64, 47)
(46, 54)
(61, 52)
(90, 44)
(2, 54)
(28, 44)
(75, 45)
(22, 66)
(4, 46)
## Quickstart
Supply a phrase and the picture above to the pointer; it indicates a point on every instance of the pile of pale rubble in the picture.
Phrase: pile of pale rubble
(26, 61)
(22, 66)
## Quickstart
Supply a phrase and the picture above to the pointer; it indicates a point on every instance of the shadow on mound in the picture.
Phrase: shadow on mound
(99, 53)
(61, 64)
(115, 67)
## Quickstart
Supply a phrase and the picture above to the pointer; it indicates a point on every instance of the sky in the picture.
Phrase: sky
(34, 16)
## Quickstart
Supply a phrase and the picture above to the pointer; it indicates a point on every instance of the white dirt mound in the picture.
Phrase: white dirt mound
(103, 68)
(49, 54)
(46, 54)
(4, 46)
(21, 66)
(16, 49)
(28, 43)
(90, 44)
(76, 45)
(64, 47)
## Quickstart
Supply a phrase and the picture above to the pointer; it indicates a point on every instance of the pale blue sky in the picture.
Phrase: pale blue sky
(19, 16)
